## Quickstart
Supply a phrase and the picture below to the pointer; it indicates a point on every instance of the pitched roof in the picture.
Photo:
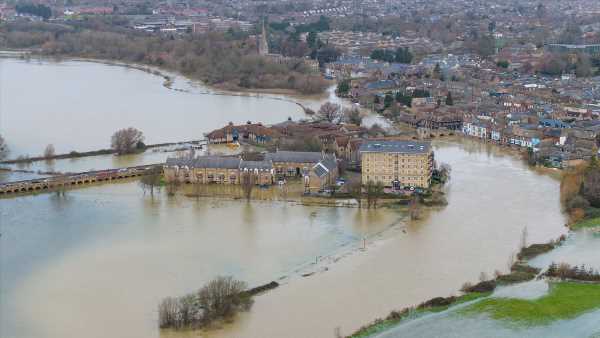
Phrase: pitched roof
(261, 165)
(220, 162)
(294, 156)
(325, 166)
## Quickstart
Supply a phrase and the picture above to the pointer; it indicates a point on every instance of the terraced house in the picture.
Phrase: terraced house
(397, 164)
(316, 170)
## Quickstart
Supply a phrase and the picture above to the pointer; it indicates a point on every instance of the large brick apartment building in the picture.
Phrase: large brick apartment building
(397, 163)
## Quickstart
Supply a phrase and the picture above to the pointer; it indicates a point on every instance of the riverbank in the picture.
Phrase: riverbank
(169, 76)
(520, 272)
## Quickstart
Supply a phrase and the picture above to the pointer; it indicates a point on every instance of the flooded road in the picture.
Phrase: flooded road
(97, 262)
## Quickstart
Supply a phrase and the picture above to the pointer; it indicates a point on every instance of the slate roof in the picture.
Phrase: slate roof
(325, 166)
(294, 156)
(261, 165)
(220, 162)
(403, 147)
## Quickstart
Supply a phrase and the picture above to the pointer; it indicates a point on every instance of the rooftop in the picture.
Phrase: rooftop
(404, 147)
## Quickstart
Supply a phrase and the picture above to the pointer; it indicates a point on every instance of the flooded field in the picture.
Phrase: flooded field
(580, 248)
(100, 259)
(93, 100)
(104, 256)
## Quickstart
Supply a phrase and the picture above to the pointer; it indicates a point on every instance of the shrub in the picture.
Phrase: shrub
(577, 202)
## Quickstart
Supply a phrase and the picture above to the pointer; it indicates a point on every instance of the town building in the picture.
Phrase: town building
(249, 132)
(397, 164)
(316, 170)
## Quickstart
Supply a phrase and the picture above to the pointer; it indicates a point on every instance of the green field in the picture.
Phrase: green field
(587, 223)
(565, 300)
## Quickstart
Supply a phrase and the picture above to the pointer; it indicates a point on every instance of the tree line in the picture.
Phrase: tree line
(40, 10)
(400, 55)
(226, 59)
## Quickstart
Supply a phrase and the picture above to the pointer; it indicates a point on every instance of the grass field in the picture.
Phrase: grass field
(587, 223)
(565, 300)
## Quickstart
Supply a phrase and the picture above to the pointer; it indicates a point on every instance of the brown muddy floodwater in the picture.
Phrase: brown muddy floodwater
(97, 262)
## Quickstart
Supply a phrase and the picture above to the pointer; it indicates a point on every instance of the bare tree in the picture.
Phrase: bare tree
(223, 297)
(354, 188)
(127, 141)
(49, 152)
(414, 208)
(173, 186)
(352, 115)
(3, 148)
(247, 181)
(330, 112)
(445, 171)
(523, 239)
(151, 180)
(168, 311)
(374, 191)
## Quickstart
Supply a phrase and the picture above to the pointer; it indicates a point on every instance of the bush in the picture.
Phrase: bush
(219, 299)
(484, 286)
(534, 250)
(515, 277)
(577, 202)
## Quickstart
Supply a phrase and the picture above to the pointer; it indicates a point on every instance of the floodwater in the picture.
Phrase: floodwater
(98, 261)
(450, 324)
(492, 196)
(101, 258)
(581, 247)
(79, 105)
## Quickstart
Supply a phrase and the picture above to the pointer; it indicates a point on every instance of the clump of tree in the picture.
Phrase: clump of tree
(503, 64)
(414, 208)
(127, 141)
(355, 189)
(229, 59)
(343, 88)
(485, 45)
(441, 173)
(449, 99)
(330, 112)
(352, 115)
(373, 192)
(580, 190)
(40, 10)
(591, 183)
(49, 151)
(220, 299)
(172, 186)
(400, 55)
(248, 181)
(565, 271)
(152, 180)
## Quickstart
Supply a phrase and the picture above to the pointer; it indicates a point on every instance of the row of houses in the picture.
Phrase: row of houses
(317, 170)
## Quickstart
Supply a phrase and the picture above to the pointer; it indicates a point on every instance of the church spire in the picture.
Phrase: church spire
(263, 44)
